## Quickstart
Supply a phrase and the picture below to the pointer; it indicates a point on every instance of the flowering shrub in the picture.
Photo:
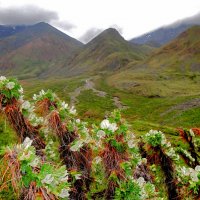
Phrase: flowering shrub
(101, 161)
(53, 178)
(10, 88)
(187, 154)
(190, 176)
(157, 138)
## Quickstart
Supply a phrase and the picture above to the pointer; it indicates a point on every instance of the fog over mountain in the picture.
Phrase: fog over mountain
(167, 33)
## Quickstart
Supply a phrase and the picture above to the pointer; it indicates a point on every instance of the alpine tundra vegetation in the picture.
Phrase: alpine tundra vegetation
(60, 156)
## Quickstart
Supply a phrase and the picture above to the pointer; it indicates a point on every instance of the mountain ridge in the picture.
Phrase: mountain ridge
(109, 50)
(35, 47)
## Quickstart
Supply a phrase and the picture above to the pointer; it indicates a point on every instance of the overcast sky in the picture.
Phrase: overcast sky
(83, 19)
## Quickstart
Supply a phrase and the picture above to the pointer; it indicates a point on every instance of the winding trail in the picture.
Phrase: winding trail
(194, 103)
(89, 85)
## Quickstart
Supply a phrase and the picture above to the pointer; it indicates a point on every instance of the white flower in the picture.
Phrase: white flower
(194, 176)
(77, 176)
(185, 171)
(141, 181)
(51, 142)
(41, 93)
(168, 144)
(76, 146)
(21, 90)
(132, 136)
(192, 133)
(97, 159)
(39, 120)
(113, 127)
(101, 134)
(144, 160)
(64, 105)
(2, 78)
(35, 162)
(52, 155)
(35, 97)
(32, 116)
(25, 155)
(64, 177)
(78, 121)
(48, 179)
(64, 193)
(72, 110)
(27, 143)
(26, 105)
(21, 98)
(131, 144)
(197, 168)
(105, 124)
(10, 85)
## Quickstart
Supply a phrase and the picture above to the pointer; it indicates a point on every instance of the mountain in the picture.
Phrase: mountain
(164, 35)
(6, 31)
(35, 50)
(107, 51)
(161, 36)
(182, 54)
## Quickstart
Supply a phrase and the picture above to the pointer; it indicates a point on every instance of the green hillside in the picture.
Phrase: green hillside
(37, 50)
(181, 55)
(107, 52)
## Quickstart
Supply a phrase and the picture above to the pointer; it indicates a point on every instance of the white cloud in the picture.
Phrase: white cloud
(133, 16)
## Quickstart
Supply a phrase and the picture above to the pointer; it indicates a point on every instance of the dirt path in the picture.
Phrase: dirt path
(194, 103)
(119, 104)
(89, 85)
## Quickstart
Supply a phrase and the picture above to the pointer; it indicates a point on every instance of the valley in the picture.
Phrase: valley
(111, 95)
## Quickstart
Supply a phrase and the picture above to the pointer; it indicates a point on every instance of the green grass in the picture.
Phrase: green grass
(143, 113)
(62, 87)
(7, 135)
(92, 106)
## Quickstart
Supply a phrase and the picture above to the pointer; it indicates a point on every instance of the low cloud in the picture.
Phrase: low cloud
(65, 25)
(90, 34)
(26, 15)
(193, 20)
(30, 14)
(118, 28)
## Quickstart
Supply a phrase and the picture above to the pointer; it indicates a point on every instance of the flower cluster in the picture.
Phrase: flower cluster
(190, 176)
(137, 189)
(84, 137)
(28, 111)
(53, 178)
(157, 138)
(42, 95)
(196, 142)
(186, 153)
(106, 125)
(63, 108)
(10, 88)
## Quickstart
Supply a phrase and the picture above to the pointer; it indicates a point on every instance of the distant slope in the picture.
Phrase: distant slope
(6, 31)
(171, 70)
(38, 49)
(161, 36)
(107, 51)
(182, 54)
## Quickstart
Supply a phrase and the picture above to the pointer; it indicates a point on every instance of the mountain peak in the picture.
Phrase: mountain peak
(109, 34)
(111, 31)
